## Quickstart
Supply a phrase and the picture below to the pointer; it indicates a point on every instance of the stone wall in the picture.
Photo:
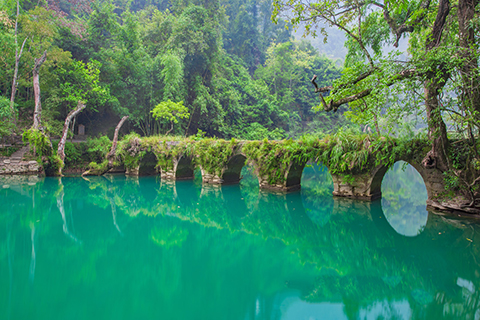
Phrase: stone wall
(8, 166)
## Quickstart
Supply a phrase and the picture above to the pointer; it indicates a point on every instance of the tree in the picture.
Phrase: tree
(36, 88)
(370, 25)
(441, 59)
(285, 70)
(87, 84)
(171, 111)
(18, 55)
(39, 26)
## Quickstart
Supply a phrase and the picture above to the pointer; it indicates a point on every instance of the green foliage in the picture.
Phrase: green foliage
(167, 149)
(75, 155)
(100, 168)
(170, 111)
(83, 83)
(199, 136)
(6, 125)
(205, 54)
(98, 148)
(8, 151)
(213, 154)
(39, 142)
(52, 165)
(172, 74)
(131, 150)
(388, 91)
(258, 132)
(272, 159)
(348, 152)
(465, 163)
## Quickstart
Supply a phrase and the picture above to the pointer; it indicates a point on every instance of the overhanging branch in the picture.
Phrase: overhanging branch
(334, 105)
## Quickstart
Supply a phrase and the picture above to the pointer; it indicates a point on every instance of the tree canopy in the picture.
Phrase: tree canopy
(238, 73)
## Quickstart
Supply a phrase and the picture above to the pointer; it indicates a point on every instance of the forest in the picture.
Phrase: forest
(235, 71)
(229, 69)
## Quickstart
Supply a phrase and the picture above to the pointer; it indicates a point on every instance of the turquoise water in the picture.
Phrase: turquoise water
(119, 247)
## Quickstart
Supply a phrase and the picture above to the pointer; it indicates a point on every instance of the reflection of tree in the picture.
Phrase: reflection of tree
(61, 207)
(168, 237)
(180, 245)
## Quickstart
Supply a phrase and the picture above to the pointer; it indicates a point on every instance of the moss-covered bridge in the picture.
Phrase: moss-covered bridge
(357, 165)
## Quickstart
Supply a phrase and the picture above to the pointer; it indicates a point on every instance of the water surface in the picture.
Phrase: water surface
(119, 247)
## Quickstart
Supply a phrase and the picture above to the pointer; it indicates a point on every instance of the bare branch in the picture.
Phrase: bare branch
(63, 139)
(334, 22)
(342, 86)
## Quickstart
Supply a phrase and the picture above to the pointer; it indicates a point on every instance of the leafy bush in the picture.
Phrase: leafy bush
(97, 149)
(6, 126)
(8, 151)
(39, 141)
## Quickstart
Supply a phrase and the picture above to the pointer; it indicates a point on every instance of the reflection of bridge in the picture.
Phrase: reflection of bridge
(364, 184)
(359, 258)
(350, 241)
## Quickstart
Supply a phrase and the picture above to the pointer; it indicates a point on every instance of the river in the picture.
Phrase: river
(118, 247)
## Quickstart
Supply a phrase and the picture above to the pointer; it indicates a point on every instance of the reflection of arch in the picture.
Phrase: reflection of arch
(317, 187)
(318, 208)
(148, 189)
(234, 201)
(317, 176)
(380, 220)
(184, 168)
(187, 194)
(231, 173)
(147, 164)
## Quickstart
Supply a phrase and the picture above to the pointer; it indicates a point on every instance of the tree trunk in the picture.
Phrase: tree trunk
(36, 87)
(110, 155)
(437, 131)
(18, 55)
(113, 150)
(63, 139)
(171, 129)
(471, 82)
(436, 79)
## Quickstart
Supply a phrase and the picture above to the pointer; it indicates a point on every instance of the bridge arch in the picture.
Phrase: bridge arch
(233, 169)
(380, 172)
(147, 164)
(293, 177)
(184, 168)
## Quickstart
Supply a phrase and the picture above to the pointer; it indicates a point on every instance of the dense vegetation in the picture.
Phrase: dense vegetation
(238, 74)
(438, 81)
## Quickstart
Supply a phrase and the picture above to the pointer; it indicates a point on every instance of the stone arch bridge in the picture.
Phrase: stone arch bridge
(279, 164)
